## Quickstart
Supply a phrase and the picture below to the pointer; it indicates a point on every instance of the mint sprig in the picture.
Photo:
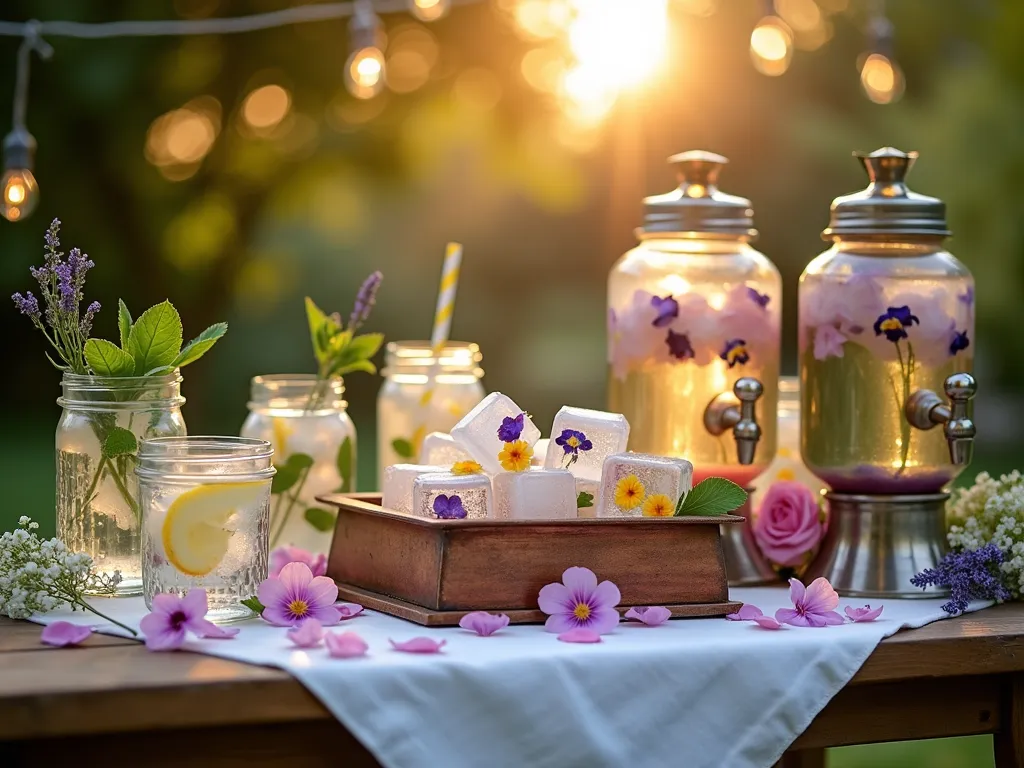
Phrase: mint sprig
(711, 497)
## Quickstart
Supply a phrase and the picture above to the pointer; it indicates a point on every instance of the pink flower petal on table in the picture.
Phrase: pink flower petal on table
(63, 633)
(820, 597)
(579, 580)
(345, 645)
(747, 612)
(212, 631)
(484, 623)
(348, 610)
(281, 556)
(580, 635)
(867, 613)
(418, 645)
(652, 616)
(766, 622)
(309, 634)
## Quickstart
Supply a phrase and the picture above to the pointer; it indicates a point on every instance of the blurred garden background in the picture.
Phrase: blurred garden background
(237, 174)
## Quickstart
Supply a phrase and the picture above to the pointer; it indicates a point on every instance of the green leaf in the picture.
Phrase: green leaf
(124, 323)
(711, 497)
(364, 366)
(584, 499)
(402, 447)
(107, 359)
(290, 471)
(365, 346)
(200, 345)
(344, 461)
(321, 329)
(155, 339)
(119, 442)
(320, 519)
(253, 604)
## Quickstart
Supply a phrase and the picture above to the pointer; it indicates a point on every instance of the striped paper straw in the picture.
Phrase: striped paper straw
(443, 313)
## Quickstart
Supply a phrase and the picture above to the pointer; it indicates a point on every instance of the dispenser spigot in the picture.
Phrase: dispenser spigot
(735, 410)
(925, 409)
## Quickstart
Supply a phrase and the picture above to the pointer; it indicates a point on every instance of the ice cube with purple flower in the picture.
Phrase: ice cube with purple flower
(581, 439)
(398, 478)
(494, 421)
(472, 491)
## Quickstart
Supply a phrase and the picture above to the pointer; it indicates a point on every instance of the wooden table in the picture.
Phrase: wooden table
(112, 703)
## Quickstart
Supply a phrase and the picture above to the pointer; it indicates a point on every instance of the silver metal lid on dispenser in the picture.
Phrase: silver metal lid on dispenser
(886, 207)
(697, 206)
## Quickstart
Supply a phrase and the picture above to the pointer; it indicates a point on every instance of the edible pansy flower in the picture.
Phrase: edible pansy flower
(449, 507)
(629, 492)
(281, 556)
(579, 602)
(894, 322)
(761, 299)
(296, 595)
(658, 505)
(516, 456)
(959, 342)
(735, 352)
(667, 310)
(466, 468)
(573, 441)
(679, 345)
(511, 428)
(172, 616)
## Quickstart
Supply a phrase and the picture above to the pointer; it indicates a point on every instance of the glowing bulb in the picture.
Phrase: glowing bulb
(20, 194)
(881, 78)
(364, 73)
(429, 10)
(771, 46)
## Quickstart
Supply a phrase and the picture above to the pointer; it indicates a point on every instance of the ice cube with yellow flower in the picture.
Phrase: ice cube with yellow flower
(488, 430)
(642, 485)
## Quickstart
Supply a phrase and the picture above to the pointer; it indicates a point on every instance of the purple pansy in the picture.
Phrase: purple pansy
(761, 299)
(679, 345)
(449, 507)
(579, 602)
(296, 595)
(172, 616)
(573, 441)
(894, 322)
(959, 342)
(511, 428)
(666, 309)
(735, 352)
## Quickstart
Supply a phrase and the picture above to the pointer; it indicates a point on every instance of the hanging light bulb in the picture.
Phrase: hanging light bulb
(20, 192)
(364, 70)
(880, 75)
(771, 46)
(429, 10)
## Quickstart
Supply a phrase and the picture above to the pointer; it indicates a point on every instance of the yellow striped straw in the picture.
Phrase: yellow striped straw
(443, 313)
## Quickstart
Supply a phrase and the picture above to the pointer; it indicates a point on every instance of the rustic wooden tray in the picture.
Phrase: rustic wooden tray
(434, 572)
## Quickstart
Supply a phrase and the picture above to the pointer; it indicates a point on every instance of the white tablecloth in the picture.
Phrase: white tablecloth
(694, 693)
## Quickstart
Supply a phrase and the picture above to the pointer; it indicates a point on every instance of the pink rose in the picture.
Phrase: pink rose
(788, 524)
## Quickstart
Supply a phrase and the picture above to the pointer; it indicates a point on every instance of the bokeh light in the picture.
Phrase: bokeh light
(429, 10)
(177, 141)
(265, 107)
(20, 194)
(412, 54)
(364, 72)
(771, 46)
(881, 79)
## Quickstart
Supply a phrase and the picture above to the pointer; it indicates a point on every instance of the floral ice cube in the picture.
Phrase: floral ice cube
(581, 439)
(495, 421)
(397, 491)
(537, 494)
(452, 497)
(642, 485)
(440, 448)
(593, 489)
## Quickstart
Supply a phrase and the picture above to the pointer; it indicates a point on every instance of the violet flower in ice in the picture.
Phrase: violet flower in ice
(308, 634)
(969, 575)
(667, 310)
(652, 616)
(580, 635)
(296, 595)
(679, 345)
(511, 428)
(172, 616)
(867, 613)
(735, 352)
(761, 299)
(959, 342)
(484, 623)
(579, 602)
(281, 556)
(573, 441)
(345, 645)
(449, 507)
(418, 645)
(813, 606)
(63, 633)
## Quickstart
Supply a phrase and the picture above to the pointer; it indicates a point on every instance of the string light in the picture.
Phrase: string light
(18, 187)
(880, 75)
(429, 10)
(364, 70)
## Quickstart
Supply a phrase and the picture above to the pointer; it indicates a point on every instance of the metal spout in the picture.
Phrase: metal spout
(735, 410)
(925, 409)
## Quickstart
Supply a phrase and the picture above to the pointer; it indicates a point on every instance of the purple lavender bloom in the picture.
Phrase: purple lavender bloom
(52, 242)
(667, 309)
(894, 322)
(28, 305)
(679, 345)
(959, 342)
(66, 286)
(90, 313)
(761, 299)
(969, 575)
(511, 429)
(449, 507)
(735, 352)
(365, 299)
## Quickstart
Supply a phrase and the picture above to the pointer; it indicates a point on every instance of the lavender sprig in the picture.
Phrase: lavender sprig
(365, 299)
(969, 575)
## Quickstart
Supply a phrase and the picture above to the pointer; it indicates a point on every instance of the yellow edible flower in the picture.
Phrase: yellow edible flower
(466, 468)
(516, 457)
(658, 505)
(629, 492)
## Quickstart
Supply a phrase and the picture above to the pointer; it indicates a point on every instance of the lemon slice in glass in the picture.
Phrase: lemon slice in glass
(196, 533)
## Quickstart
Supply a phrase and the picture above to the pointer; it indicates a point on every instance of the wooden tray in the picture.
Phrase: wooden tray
(434, 572)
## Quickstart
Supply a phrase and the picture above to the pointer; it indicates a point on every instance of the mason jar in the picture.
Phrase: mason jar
(314, 443)
(405, 410)
(102, 423)
(693, 310)
(205, 513)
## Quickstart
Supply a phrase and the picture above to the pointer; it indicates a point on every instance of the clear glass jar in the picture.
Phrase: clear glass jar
(206, 515)
(884, 312)
(311, 432)
(402, 417)
(692, 309)
(102, 422)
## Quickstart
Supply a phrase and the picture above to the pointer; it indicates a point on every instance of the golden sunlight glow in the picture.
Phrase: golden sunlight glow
(430, 10)
(674, 284)
(801, 15)
(771, 46)
(265, 107)
(881, 78)
(543, 69)
(178, 140)
(364, 72)
(412, 54)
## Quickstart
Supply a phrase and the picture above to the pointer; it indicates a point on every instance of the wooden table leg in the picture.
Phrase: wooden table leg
(1009, 739)
(803, 758)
